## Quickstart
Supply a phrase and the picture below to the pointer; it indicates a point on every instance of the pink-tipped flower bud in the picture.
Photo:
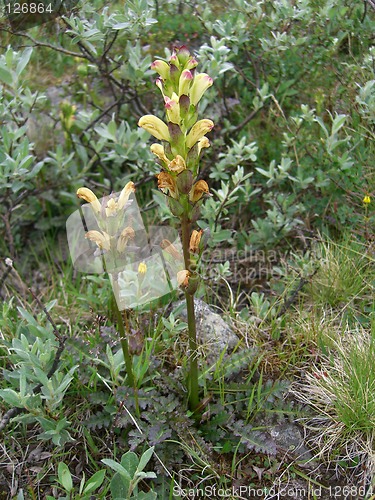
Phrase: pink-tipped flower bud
(183, 55)
(192, 63)
(184, 82)
(174, 60)
(172, 108)
(162, 68)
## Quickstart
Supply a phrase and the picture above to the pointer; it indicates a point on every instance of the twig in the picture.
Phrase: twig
(9, 264)
(288, 302)
(37, 43)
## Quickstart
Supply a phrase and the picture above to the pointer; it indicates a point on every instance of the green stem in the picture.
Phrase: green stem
(125, 348)
(193, 373)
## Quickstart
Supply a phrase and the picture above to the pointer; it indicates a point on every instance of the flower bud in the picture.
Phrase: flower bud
(184, 82)
(159, 84)
(184, 182)
(155, 127)
(111, 208)
(192, 63)
(203, 143)
(201, 83)
(142, 268)
(173, 109)
(167, 184)
(127, 234)
(198, 131)
(173, 60)
(366, 200)
(199, 188)
(177, 165)
(101, 239)
(195, 241)
(158, 150)
(124, 195)
(174, 75)
(87, 195)
(183, 55)
(162, 68)
(183, 278)
(184, 102)
(175, 207)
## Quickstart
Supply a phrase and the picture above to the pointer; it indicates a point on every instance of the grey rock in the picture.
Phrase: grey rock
(213, 333)
(288, 438)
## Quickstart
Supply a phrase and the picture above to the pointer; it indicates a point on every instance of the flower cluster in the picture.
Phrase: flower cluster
(114, 235)
(183, 138)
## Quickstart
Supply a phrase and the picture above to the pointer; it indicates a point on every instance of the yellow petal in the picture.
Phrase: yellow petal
(166, 181)
(198, 131)
(195, 240)
(111, 208)
(101, 239)
(183, 278)
(125, 193)
(177, 164)
(87, 195)
(203, 143)
(127, 234)
(142, 268)
(158, 150)
(198, 190)
(201, 83)
(155, 127)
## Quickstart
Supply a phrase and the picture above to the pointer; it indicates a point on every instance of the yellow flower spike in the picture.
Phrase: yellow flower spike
(155, 127)
(101, 239)
(125, 193)
(198, 131)
(183, 278)
(177, 165)
(142, 268)
(158, 150)
(171, 249)
(199, 188)
(195, 240)
(167, 182)
(87, 195)
(127, 234)
(366, 200)
(201, 83)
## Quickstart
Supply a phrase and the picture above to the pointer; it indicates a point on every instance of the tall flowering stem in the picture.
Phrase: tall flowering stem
(182, 138)
(112, 239)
